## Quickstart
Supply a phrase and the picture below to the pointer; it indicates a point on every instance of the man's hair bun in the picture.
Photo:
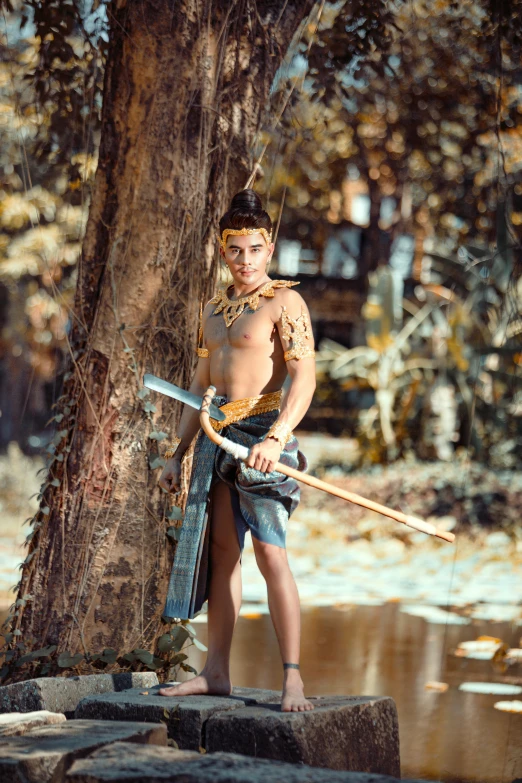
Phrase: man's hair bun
(246, 211)
(246, 201)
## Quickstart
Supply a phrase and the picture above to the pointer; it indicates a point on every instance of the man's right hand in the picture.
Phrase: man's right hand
(170, 479)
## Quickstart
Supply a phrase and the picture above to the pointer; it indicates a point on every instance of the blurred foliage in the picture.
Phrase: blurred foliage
(423, 105)
(443, 369)
(47, 161)
(414, 100)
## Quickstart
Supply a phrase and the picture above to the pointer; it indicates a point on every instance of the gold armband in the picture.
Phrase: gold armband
(172, 448)
(296, 331)
(201, 352)
(280, 432)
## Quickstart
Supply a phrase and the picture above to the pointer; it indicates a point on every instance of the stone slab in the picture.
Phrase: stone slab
(17, 723)
(358, 733)
(43, 755)
(121, 762)
(62, 694)
(185, 716)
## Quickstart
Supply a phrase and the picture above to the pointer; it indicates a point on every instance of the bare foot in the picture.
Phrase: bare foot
(293, 694)
(203, 683)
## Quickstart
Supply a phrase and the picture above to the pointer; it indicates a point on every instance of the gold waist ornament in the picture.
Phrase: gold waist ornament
(250, 406)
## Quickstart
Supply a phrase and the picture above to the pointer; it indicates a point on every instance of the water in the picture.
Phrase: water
(454, 737)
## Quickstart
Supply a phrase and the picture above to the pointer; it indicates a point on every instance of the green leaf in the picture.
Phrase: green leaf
(56, 482)
(130, 657)
(174, 533)
(144, 656)
(175, 514)
(156, 462)
(143, 392)
(58, 417)
(66, 660)
(199, 645)
(149, 407)
(180, 636)
(110, 655)
(158, 435)
(177, 659)
(165, 643)
(187, 668)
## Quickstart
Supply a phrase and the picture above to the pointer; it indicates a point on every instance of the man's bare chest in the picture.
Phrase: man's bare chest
(252, 329)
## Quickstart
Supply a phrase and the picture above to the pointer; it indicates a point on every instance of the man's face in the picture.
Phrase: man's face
(247, 257)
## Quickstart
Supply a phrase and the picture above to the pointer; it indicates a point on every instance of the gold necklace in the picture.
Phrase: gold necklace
(233, 309)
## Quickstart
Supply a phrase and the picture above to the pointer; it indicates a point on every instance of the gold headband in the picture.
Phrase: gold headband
(244, 231)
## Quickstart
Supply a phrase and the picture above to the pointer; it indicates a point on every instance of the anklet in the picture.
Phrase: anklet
(290, 666)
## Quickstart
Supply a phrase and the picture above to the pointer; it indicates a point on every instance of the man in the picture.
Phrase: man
(251, 336)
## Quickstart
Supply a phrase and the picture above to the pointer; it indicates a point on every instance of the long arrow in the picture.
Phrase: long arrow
(241, 452)
(208, 409)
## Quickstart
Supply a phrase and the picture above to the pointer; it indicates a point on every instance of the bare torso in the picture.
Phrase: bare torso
(246, 358)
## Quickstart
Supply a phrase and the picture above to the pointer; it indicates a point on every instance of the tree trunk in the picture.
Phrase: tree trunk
(186, 88)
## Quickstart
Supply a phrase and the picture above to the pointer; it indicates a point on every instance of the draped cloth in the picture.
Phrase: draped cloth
(261, 503)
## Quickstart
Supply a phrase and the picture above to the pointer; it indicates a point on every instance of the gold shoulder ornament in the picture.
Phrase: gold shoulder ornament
(297, 331)
(201, 352)
(232, 309)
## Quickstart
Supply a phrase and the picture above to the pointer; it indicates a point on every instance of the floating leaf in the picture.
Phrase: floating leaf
(504, 706)
(491, 687)
(483, 649)
(433, 685)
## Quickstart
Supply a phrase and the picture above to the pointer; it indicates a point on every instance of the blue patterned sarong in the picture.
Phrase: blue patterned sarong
(261, 502)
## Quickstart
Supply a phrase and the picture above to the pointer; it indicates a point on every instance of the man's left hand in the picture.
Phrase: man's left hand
(264, 455)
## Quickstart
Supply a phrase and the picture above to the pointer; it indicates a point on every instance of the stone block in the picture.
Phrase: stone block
(62, 694)
(185, 716)
(359, 733)
(17, 723)
(124, 763)
(44, 754)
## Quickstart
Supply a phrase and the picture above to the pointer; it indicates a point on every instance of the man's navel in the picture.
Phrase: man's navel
(247, 336)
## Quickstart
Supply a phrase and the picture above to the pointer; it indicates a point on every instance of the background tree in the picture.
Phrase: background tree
(421, 105)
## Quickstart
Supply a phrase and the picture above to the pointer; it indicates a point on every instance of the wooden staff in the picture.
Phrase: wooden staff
(241, 452)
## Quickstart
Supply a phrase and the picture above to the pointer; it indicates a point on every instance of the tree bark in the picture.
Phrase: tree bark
(185, 93)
